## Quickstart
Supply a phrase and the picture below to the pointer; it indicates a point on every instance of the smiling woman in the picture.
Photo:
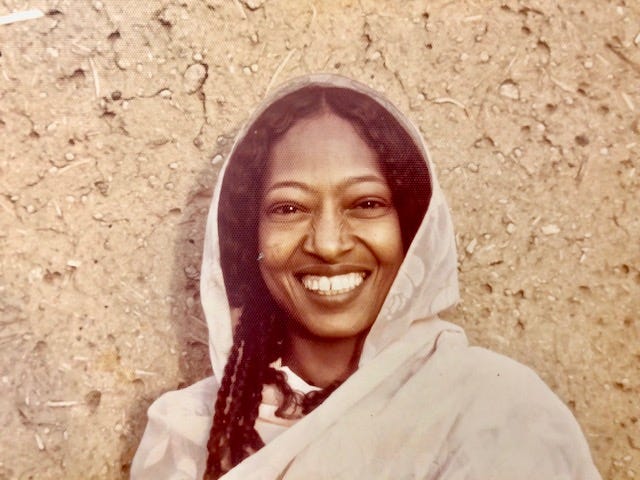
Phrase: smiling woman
(328, 256)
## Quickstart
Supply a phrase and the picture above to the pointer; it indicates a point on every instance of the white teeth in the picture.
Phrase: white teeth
(324, 284)
(333, 285)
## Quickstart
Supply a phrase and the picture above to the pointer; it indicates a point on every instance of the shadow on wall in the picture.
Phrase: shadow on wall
(187, 317)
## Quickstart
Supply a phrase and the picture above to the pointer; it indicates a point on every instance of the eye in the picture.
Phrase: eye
(285, 212)
(371, 208)
(286, 209)
(370, 203)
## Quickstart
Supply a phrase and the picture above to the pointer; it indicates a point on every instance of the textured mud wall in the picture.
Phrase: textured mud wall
(115, 115)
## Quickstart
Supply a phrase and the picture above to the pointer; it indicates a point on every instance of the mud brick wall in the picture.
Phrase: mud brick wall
(115, 116)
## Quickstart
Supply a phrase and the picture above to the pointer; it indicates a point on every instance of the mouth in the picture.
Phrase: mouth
(334, 284)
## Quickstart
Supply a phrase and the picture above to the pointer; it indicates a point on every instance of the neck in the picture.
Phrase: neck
(321, 362)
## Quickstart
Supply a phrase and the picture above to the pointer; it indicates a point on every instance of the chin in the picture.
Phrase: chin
(331, 329)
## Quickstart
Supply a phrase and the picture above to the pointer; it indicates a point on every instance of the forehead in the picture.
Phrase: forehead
(320, 149)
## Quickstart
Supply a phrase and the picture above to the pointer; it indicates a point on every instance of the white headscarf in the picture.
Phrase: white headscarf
(422, 403)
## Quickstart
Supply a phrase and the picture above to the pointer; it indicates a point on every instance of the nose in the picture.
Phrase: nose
(330, 236)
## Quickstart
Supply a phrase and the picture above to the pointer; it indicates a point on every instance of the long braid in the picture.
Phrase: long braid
(217, 445)
(233, 436)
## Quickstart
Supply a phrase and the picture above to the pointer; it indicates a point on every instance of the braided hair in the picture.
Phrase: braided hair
(260, 333)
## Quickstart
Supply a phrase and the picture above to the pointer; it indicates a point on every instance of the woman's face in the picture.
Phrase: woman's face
(329, 232)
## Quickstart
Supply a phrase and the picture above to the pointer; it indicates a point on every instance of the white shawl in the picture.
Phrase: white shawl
(422, 404)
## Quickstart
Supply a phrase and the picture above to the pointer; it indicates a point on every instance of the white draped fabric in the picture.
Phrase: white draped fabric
(423, 404)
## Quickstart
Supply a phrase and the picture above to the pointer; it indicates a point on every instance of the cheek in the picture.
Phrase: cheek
(277, 245)
(275, 269)
(385, 239)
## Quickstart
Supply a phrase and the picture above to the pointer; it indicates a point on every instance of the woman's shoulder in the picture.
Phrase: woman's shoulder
(476, 366)
(507, 421)
(493, 389)
(175, 438)
(196, 399)
(489, 364)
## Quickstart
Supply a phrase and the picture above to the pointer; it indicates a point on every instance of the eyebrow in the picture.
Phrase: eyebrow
(344, 184)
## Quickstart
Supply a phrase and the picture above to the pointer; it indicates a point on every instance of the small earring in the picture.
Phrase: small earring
(260, 256)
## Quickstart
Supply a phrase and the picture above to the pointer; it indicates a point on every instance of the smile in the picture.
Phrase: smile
(334, 285)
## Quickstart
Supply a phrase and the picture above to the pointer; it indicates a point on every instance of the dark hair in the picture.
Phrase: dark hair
(260, 333)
